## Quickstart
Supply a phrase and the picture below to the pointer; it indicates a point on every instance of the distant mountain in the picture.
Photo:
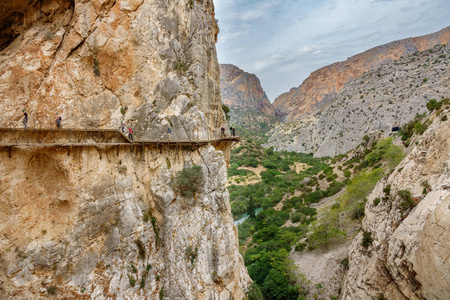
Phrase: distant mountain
(323, 85)
(242, 91)
(376, 102)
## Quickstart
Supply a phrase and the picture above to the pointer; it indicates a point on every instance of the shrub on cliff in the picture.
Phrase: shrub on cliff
(226, 111)
(188, 181)
(407, 200)
(433, 104)
(367, 239)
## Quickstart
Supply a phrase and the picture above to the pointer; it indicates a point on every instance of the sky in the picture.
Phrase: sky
(283, 41)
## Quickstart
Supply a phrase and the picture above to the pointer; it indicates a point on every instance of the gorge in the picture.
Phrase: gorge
(344, 179)
(349, 223)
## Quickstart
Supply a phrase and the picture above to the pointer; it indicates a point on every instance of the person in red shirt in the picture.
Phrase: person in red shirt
(130, 133)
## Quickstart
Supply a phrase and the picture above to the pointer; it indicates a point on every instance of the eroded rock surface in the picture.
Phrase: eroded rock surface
(82, 222)
(107, 222)
(150, 63)
(373, 103)
(324, 84)
(242, 91)
(409, 255)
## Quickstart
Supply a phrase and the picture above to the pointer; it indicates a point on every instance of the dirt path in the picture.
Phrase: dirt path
(301, 167)
(253, 179)
(256, 170)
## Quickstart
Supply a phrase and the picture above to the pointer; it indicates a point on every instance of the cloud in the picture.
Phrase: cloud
(286, 57)
(284, 41)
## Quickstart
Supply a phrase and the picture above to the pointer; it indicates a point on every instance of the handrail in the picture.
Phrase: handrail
(127, 141)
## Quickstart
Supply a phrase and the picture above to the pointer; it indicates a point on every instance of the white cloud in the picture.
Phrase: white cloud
(284, 41)
(279, 58)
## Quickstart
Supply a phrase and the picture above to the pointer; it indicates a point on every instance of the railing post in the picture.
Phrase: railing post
(209, 136)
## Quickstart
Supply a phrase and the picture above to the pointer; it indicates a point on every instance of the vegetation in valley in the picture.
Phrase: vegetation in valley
(285, 201)
(281, 205)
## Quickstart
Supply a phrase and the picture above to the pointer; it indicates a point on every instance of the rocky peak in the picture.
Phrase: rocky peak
(377, 101)
(242, 91)
(324, 84)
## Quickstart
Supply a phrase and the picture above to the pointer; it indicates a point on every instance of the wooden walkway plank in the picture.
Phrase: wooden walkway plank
(38, 134)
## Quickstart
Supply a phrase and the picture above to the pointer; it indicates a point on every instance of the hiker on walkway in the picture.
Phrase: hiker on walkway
(25, 119)
(122, 125)
(130, 133)
(58, 122)
(169, 131)
(222, 131)
(234, 131)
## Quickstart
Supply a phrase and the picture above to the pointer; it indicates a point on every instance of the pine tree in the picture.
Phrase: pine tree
(251, 208)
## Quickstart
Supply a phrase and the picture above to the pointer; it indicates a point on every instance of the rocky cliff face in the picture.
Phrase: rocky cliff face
(109, 223)
(150, 63)
(83, 223)
(242, 91)
(377, 101)
(324, 84)
(409, 257)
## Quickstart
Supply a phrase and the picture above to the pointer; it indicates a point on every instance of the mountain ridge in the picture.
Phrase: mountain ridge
(323, 84)
(373, 103)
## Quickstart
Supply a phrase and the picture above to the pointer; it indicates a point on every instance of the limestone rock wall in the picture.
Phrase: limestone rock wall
(82, 222)
(107, 223)
(375, 102)
(409, 257)
(242, 91)
(151, 63)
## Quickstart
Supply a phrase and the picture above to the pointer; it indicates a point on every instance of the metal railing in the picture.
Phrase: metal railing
(90, 137)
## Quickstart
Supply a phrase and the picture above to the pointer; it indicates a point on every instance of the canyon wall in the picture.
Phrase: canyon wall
(242, 91)
(378, 101)
(324, 84)
(90, 222)
(152, 64)
(109, 222)
(406, 253)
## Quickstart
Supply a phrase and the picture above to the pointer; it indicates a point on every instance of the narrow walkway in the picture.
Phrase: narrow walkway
(18, 137)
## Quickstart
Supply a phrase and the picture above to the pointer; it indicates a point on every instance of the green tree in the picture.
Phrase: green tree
(275, 285)
(360, 186)
(347, 173)
(394, 156)
(433, 104)
(366, 139)
(251, 208)
(420, 127)
(323, 234)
